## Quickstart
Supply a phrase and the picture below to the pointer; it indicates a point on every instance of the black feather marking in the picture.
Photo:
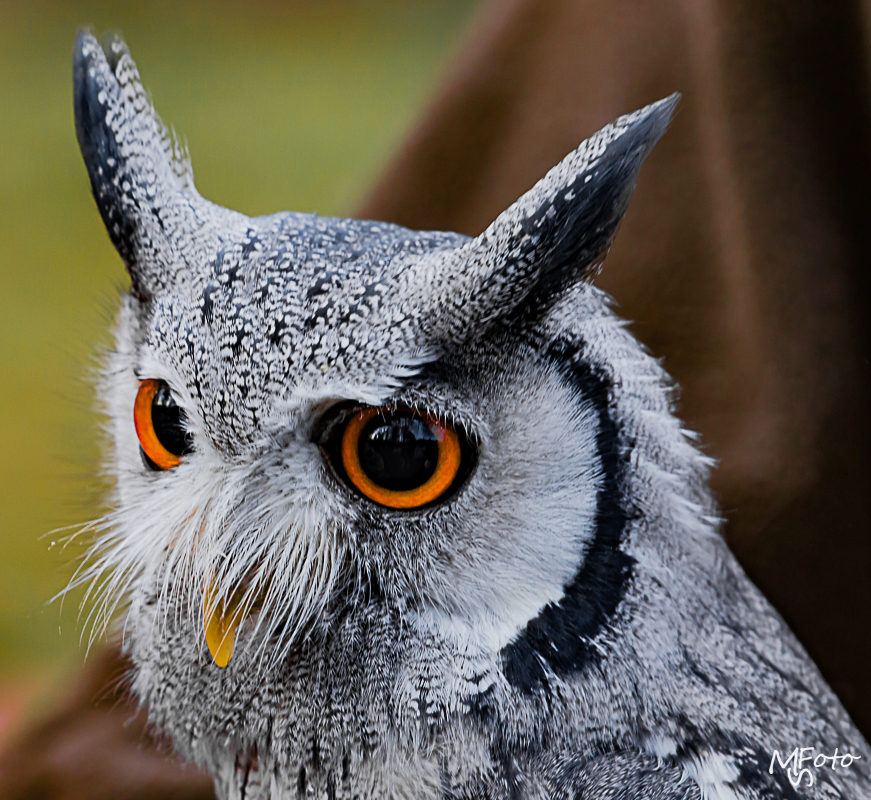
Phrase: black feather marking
(570, 233)
(208, 304)
(511, 778)
(104, 161)
(560, 636)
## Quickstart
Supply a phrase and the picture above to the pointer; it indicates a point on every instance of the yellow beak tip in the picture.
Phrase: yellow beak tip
(220, 629)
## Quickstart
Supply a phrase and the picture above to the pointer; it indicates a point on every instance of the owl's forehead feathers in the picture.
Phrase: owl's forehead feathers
(301, 304)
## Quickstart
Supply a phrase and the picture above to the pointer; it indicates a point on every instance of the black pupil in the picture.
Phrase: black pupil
(398, 451)
(168, 422)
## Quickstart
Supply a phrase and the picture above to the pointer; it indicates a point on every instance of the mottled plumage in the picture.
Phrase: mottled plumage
(566, 622)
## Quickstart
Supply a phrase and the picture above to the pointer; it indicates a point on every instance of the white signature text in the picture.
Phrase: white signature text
(799, 762)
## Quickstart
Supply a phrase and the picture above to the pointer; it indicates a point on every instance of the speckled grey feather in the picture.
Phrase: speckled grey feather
(569, 624)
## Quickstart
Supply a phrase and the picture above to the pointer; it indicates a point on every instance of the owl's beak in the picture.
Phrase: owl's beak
(221, 620)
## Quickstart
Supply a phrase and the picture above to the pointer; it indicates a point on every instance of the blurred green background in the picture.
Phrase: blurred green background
(283, 105)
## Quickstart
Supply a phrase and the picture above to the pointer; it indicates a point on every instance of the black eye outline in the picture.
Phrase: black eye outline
(160, 426)
(330, 434)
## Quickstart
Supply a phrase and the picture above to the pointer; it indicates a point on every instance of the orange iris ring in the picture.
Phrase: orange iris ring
(145, 426)
(439, 482)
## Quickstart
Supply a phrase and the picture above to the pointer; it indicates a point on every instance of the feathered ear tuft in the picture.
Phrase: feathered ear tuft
(140, 176)
(557, 233)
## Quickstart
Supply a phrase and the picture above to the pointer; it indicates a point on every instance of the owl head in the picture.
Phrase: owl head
(345, 442)
(404, 514)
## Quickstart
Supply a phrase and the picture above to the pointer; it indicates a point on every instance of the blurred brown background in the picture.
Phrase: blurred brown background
(743, 260)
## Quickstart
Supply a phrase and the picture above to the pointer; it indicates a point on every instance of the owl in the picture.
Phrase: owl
(404, 514)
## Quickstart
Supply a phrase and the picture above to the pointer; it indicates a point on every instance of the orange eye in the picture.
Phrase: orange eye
(398, 458)
(160, 427)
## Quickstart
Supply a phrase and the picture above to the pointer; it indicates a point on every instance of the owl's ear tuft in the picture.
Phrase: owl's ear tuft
(556, 234)
(141, 177)
(567, 222)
